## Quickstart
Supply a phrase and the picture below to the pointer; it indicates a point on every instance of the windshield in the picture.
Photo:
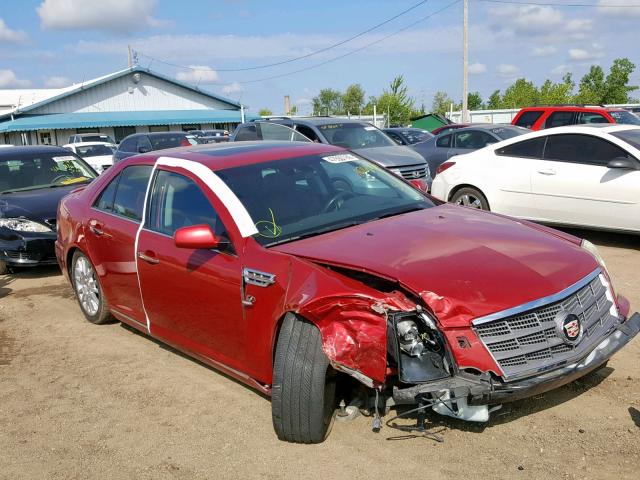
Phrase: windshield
(624, 117)
(631, 136)
(416, 136)
(94, 150)
(354, 135)
(306, 196)
(28, 171)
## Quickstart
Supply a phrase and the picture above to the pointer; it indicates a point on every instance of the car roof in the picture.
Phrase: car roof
(571, 108)
(321, 120)
(86, 144)
(221, 156)
(32, 149)
(404, 129)
(489, 127)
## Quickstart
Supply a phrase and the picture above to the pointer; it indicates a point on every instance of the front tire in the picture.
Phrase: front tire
(304, 384)
(88, 290)
(470, 197)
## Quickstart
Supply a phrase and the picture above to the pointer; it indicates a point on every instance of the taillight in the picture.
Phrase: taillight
(445, 166)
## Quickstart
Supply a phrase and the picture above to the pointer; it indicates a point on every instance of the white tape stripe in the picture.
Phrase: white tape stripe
(241, 217)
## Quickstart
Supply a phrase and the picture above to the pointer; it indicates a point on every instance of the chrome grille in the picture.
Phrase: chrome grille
(412, 172)
(525, 343)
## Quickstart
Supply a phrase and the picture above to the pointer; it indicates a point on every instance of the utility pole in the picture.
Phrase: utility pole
(465, 62)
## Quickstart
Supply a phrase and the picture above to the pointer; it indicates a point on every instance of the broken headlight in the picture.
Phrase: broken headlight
(409, 338)
(23, 225)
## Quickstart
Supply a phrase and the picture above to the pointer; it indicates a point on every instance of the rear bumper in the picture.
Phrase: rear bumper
(489, 391)
(27, 250)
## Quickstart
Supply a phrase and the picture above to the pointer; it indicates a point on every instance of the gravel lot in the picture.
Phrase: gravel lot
(84, 401)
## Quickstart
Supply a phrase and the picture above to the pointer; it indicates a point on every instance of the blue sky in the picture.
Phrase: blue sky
(57, 42)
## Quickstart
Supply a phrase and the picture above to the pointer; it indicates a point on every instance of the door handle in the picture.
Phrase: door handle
(547, 171)
(96, 229)
(148, 258)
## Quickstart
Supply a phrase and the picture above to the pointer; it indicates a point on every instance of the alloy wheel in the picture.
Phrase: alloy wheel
(86, 286)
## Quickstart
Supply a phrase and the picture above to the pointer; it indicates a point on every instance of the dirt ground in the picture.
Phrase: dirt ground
(84, 401)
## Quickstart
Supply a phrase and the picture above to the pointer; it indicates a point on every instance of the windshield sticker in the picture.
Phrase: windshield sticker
(73, 180)
(369, 128)
(66, 158)
(269, 228)
(340, 158)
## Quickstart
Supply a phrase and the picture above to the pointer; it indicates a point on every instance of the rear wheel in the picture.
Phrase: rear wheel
(88, 290)
(304, 384)
(470, 197)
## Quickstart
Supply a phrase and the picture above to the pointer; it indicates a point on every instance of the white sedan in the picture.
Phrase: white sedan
(97, 154)
(585, 176)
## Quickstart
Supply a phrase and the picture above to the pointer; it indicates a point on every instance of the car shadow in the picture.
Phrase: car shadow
(42, 271)
(181, 354)
(513, 411)
(606, 239)
(5, 282)
(635, 416)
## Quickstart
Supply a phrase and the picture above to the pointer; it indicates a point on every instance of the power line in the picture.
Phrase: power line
(295, 59)
(422, 19)
(556, 4)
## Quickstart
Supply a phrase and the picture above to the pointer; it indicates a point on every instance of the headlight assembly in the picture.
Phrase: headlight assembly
(23, 225)
(593, 250)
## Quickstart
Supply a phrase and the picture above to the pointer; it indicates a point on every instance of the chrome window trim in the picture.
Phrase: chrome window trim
(540, 302)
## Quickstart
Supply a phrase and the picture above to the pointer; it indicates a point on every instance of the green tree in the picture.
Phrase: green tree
(396, 103)
(474, 101)
(557, 93)
(328, 102)
(495, 100)
(591, 86)
(521, 94)
(353, 99)
(441, 103)
(616, 84)
(265, 112)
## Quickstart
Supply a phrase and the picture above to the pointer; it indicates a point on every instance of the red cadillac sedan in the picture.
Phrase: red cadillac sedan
(316, 276)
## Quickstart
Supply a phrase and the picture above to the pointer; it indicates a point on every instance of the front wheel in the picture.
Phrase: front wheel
(304, 384)
(470, 197)
(88, 290)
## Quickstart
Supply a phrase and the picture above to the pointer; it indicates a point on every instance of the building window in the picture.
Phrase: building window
(122, 132)
(45, 138)
(158, 128)
(88, 130)
(188, 128)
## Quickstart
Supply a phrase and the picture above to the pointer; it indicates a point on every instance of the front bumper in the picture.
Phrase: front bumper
(489, 391)
(26, 249)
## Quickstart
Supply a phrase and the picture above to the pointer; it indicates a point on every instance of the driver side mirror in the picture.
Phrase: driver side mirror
(197, 237)
(624, 162)
(143, 149)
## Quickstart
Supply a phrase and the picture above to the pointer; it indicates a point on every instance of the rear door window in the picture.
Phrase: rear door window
(558, 119)
(584, 149)
(473, 139)
(532, 148)
(591, 117)
(528, 119)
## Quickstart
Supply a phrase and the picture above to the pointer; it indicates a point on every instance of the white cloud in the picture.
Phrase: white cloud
(8, 79)
(582, 55)
(546, 51)
(477, 68)
(526, 18)
(57, 82)
(232, 88)
(560, 70)
(8, 35)
(200, 75)
(507, 71)
(619, 8)
(106, 15)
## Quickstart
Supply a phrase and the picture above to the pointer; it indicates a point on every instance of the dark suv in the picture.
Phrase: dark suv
(147, 142)
(358, 136)
(537, 118)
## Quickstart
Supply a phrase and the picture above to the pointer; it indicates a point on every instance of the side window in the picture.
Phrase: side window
(585, 149)
(558, 119)
(527, 119)
(177, 201)
(307, 132)
(395, 137)
(129, 144)
(532, 148)
(589, 117)
(247, 133)
(444, 141)
(129, 194)
(144, 145)
(473, 139)
(105, 200)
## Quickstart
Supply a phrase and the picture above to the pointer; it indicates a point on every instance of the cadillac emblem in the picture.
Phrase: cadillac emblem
(568, 327)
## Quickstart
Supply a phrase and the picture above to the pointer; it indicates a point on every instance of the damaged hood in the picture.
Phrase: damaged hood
(464, 263)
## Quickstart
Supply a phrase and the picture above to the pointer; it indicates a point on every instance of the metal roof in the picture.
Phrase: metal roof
(120, 119)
